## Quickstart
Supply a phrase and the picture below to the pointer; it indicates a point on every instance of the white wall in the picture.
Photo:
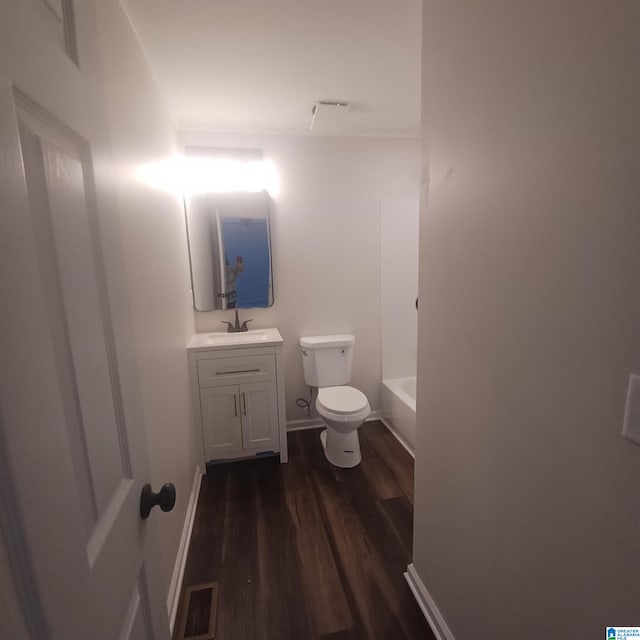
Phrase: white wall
(399, 239)
(155, 253)
(326, 242)
(527, 496)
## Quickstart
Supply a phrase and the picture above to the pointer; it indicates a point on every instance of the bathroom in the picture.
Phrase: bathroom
(524, 155)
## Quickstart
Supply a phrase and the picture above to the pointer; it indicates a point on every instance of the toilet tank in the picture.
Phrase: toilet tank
(327, 359)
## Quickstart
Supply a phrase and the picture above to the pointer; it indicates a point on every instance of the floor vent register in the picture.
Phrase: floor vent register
(199, 612)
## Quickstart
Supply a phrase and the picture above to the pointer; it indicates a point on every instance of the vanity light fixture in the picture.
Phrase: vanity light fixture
(193, 175)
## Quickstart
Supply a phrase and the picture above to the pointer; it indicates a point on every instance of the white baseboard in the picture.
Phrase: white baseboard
(427, 605)
(398, 437)
(173, 599)
(305, 423)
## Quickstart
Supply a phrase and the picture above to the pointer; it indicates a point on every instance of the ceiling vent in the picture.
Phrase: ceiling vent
(328, 116)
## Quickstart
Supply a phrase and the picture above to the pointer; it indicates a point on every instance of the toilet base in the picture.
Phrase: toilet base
(341, 449)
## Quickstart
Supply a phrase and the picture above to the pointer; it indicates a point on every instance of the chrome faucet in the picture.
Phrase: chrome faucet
(237, 327)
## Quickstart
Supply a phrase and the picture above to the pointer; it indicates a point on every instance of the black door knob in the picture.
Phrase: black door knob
(165, 499)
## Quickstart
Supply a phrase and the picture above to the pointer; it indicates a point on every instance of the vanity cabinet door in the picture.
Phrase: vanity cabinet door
(221, 422)
(259, 406)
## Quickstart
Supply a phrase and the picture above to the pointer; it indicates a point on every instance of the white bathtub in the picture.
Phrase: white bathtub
(398, 405)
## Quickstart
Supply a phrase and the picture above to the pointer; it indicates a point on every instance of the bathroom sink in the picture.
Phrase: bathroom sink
(222, 340)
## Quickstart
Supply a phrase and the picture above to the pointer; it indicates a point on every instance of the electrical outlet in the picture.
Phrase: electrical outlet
(631, 426)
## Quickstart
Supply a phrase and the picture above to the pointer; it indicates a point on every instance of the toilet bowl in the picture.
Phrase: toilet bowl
(343, 409)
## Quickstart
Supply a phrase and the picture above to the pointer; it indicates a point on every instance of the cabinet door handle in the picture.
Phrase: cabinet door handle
(244, 403)
(235, 405)
(230, 373)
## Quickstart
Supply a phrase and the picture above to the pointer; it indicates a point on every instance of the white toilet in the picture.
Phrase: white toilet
(327, 365)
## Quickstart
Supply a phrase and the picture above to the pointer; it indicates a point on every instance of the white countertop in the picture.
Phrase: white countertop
(246, 339)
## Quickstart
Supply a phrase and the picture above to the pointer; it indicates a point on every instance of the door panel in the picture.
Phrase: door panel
(57, 18)
(221, 428)
(259, 415)
(76, 299)
(107, 448)
(53, 306)
(137, 625)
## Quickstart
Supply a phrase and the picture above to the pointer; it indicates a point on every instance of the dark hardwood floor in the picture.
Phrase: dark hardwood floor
(306, 550)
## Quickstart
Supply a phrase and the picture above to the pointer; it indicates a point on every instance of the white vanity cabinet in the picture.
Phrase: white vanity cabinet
(238, 394)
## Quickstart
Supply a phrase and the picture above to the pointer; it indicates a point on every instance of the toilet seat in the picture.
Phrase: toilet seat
(342, 400)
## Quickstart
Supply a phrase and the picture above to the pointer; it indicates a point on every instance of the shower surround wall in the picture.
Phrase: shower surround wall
(399, 243)
(399, 317)
(325, 232)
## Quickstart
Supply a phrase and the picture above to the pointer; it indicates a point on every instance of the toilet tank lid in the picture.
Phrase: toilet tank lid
(324, 342)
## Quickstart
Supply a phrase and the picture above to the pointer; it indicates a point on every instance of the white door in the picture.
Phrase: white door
(72, 448)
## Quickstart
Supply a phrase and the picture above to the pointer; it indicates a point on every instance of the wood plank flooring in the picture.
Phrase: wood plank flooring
(306, 550)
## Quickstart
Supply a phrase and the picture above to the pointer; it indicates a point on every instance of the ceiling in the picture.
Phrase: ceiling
(260, 65)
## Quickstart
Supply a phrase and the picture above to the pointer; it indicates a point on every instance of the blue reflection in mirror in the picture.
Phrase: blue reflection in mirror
(247, 261)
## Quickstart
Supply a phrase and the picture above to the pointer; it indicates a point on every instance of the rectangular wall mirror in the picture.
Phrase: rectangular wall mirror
(229, 250)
